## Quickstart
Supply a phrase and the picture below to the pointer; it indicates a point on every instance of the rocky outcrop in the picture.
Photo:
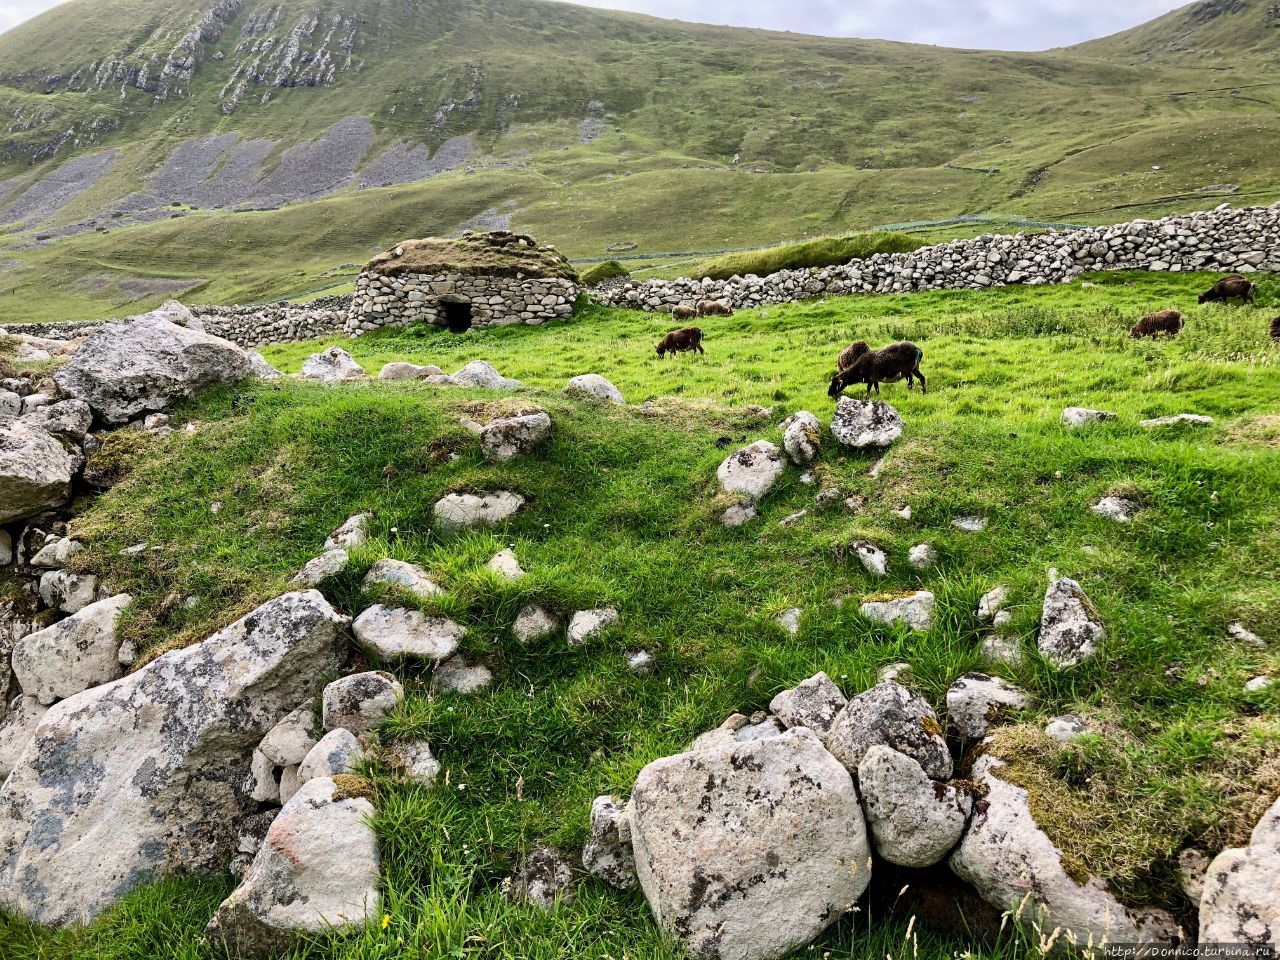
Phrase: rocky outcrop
(35, 470)
(74, 654)
(749, 850)
(146, 364)
(317, 871)
(144, 776)
(1240, 902)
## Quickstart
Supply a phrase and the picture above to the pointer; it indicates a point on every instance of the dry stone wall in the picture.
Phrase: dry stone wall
(275, 323)
(398, 301)
(1244, 241)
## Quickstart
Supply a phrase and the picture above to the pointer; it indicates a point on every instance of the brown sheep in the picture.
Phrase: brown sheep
(714, 308)
(850, 354)
(1154, 324)
(1229, 288)
(1275, 329)
(683, 312)
(888, 365)
(681, 341)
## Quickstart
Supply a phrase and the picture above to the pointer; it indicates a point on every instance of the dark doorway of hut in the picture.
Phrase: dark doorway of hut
(457, 314)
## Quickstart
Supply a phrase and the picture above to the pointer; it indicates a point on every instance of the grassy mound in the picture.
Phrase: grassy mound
(624, 511)
(500, 253)
(822, 252)
(604, 271)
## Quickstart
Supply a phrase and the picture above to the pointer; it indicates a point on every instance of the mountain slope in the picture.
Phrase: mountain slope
(585, 126)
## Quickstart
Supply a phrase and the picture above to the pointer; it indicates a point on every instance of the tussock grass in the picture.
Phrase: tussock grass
(623, 511)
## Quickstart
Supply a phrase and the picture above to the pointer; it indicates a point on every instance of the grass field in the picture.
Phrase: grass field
(624, 511)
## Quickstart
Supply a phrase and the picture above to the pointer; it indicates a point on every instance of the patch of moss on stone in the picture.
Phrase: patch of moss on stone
(348, 786)
(931, 726)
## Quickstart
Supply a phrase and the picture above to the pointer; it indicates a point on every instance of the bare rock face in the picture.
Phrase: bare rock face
(607, 854)
(316, 871)
(146, 364)
(915, 821)
(334, 365)
(865, 424)
(138, 778)
(73, 654)
(890, 715)
(802, 438)
(814, 704)
(1241, 899)
(1006, 857)
(511, 437)
(749, 850)
(35, 470)
(752, 471)
(1070, 628)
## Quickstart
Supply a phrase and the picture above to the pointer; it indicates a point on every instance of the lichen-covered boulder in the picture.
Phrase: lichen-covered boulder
(802, 438)
(353, 533)
(74, 654)
(35, 470)
(976, 700)
(457, 511)
(749, 850)
(67, 591)
(337, 752)
(289, 741)
(316, 871)
(890, 715)
(865, 424)
(408, 371)
(144, 776)
(607, 854)
(915, 820)
(17, 729)
(146, 364)
(360, 701)
(1008, 858)
(68, 420)
(333, 365)
(321, 568)
(510, 437)
(813, 704)
(1240, 902)
(1070, 627)
(752, 471)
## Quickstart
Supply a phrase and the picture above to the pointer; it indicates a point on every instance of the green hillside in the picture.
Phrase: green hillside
(358, 125)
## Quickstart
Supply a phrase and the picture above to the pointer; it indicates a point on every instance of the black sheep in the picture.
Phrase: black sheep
(889, 365)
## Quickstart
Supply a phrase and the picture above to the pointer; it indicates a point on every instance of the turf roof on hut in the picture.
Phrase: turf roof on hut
(500, 254)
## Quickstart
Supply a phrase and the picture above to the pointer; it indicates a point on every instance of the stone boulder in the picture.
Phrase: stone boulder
(1119, 509)
(890, 715)
(17, 730)
(593, 387)
(749, 850)
(752, 471)
(813, 704)
(1073, 417)
(510, 437)
(353, 533)
(915, 610)
(505, 565)
(35, 471)
(1006, 857)
(316, 872)
(334, 365)
(68, 420)
(74, 654)
(874, 560)
(534, 623)
(1070, 628)
(607, 854)
(289, 741)
(321, 568)
(458, 675)
(457, 511)
(67, 591)
(865, 424)
(260, 369)
(802, 438)
(412, 760)
(915, 820)
(409, 577)
(337, 752)
(408, 371)
(1178, 419)
(976, 700)
(361, 701)
(146, 364)
(144, 776)
(586, 624)
(397, 633)
(1240, 902)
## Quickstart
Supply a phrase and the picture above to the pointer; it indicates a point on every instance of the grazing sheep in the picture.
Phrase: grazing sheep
(683, 312)
(1229, 288)
(888, 365)
(714, 308)
(851, 353)
(1154, 324)
(681, 341)
(1275, 329)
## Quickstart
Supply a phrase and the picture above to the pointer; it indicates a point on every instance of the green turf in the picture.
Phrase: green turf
(624, 511)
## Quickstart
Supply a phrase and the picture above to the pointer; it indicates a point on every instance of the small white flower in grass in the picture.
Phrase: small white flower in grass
(462, 786)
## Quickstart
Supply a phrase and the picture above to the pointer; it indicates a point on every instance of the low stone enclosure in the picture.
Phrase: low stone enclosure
(1245, 241)
(476, 280)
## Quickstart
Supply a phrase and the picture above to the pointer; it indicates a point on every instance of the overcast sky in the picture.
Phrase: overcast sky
(990, 24)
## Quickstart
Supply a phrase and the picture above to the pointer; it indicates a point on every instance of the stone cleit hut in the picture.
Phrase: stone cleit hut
(475, 280)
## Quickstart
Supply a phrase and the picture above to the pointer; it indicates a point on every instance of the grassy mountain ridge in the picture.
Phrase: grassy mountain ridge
(583, 126)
